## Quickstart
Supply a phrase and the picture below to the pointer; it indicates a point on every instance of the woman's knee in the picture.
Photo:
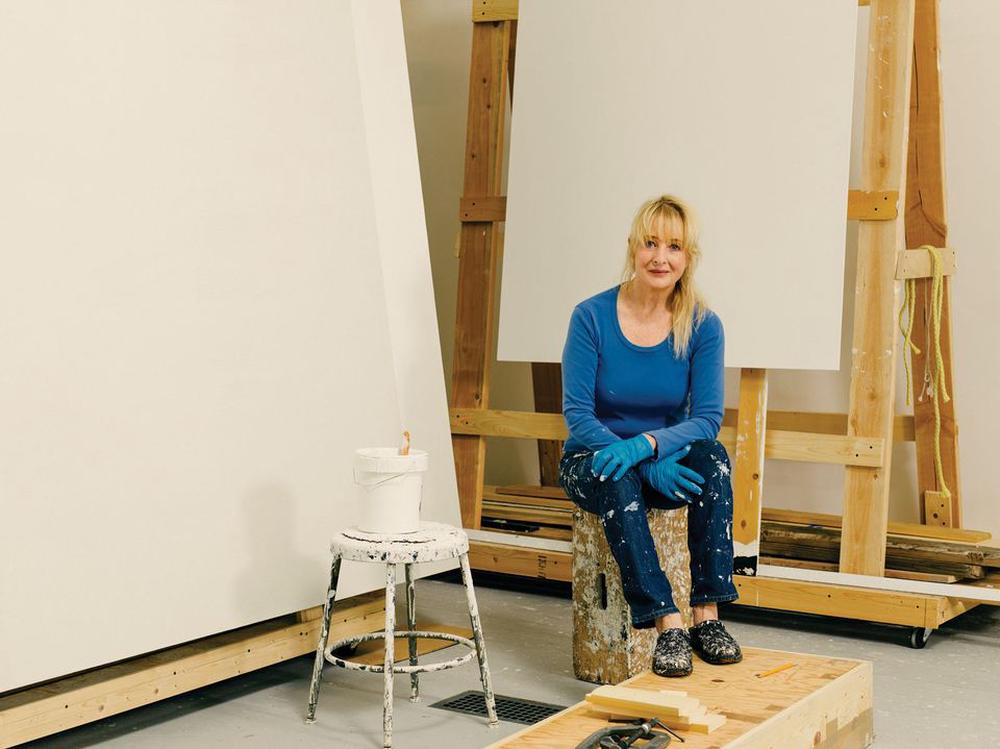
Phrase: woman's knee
(711, 451)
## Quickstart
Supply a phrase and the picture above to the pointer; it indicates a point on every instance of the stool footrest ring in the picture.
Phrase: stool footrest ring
(407, 669)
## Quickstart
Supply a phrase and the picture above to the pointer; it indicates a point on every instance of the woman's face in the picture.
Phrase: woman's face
(660, 263)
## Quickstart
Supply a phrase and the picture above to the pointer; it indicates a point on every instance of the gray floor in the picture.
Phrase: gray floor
(946, 695)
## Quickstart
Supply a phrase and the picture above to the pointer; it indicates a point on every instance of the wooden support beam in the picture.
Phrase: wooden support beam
(479, 254)
(778, 444)
(873, 365)
(748, 469)
(926, 223)
(546, 381)
(822, 423)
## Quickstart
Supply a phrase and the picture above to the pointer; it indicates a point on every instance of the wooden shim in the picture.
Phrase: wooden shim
(57, 706)
(967, 592)
(918, 264)
(872, 205)
(479, 254)
(874, 350)
(806, 564)
(748, 469)
(494, 10)
(484, 209)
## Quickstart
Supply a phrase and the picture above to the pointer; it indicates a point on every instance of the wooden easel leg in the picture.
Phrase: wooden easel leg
(748, 470)
(873, 365)
(479, 253)
(926, 223)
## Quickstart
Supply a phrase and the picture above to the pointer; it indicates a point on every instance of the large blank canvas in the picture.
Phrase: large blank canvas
(742, 109)
(195, 326)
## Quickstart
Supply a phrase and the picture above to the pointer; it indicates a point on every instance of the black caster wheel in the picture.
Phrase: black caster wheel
(919, 636)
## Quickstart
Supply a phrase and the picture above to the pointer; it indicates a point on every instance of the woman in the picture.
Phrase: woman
(643, 399)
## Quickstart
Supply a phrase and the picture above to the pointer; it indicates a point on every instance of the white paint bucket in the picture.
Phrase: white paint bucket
(391, 489)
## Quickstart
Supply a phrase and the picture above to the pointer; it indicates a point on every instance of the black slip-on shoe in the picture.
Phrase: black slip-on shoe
(672, 654)
(714, 644)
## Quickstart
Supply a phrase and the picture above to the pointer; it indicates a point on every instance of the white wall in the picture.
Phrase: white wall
(438, 46)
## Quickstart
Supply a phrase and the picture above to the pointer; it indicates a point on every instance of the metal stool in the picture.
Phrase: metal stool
(433, 542)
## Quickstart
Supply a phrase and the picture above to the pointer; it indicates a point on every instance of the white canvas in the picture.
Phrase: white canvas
(194, 324)
(742, 109)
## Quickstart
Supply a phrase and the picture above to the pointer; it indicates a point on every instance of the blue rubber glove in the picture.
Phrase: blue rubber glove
(672, 479)
(615, 459)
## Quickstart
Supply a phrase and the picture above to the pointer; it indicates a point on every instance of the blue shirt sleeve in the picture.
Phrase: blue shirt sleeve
(706, 393)
(579, 375)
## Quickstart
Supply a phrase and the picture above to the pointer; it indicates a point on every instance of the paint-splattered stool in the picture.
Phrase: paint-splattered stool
(432, 543)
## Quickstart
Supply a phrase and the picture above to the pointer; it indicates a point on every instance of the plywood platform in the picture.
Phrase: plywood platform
(819, 702)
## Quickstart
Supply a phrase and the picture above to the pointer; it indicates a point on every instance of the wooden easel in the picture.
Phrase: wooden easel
(898, 124)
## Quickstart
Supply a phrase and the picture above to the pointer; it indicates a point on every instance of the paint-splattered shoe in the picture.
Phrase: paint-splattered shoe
(672, 654)
(714, 644)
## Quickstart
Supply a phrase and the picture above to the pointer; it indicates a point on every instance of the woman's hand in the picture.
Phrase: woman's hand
(615, 459)
(672, 479)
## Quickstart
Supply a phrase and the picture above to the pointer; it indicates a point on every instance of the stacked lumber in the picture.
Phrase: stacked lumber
(674, 708)
(788, 538)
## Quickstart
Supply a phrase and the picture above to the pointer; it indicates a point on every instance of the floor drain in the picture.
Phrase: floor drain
(512, 709)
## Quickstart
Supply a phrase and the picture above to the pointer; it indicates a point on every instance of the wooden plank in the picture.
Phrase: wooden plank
(482, 209)
(821, 702)
(533, 496)
(874, 350)
(898, 528)
(806, 564)
(880, 583)
(926, 223)
(748, 469)
(918, 264)
(778, 444)
(494, 10)
(826, 599)
(546, 382)
(479, 255)
(872, 205)
(518, 560)
(822, 423)
(902, 552)
(815, 448)
(57, 706)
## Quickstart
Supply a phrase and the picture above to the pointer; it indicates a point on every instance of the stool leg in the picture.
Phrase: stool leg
(477, 632)
(411, 623)
(390, 642)
(324, 635)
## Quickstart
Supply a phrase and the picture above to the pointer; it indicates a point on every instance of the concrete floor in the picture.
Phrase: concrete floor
(945, 695)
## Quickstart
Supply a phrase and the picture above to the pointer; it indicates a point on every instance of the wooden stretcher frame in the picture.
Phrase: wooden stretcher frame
(899, 127)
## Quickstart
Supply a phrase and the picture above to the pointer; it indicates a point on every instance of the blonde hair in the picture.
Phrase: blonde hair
(686, 302)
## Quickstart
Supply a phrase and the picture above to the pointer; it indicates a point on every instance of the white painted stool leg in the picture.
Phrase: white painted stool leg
(477, 632)
(411, 623)
(390, 642)
(324, 635)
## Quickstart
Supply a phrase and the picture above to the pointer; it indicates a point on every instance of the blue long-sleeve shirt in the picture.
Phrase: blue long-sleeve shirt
(614, 389)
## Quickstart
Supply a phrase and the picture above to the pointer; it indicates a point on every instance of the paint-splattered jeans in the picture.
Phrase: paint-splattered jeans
(622, 507)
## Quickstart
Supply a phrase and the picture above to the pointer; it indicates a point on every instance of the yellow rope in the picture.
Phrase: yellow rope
(938, 388)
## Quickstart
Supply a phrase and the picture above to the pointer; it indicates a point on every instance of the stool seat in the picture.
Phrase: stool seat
(431, 543)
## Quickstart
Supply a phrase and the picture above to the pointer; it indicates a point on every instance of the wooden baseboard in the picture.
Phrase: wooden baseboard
(56, 706)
